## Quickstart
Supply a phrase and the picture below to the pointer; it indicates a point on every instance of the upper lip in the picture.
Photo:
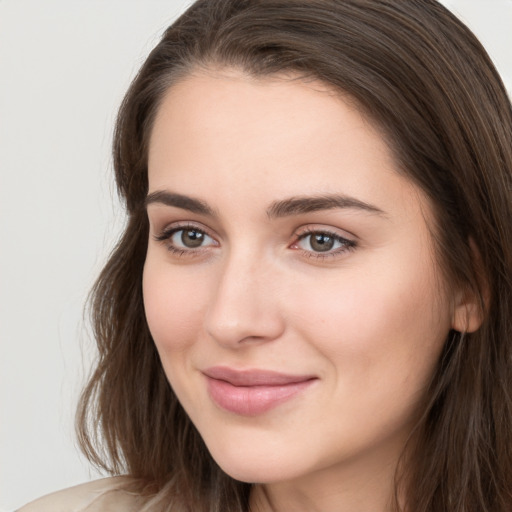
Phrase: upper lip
(254, 377)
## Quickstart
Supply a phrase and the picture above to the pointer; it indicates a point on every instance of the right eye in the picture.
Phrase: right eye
(185, 238)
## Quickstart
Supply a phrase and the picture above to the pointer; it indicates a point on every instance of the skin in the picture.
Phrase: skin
(367, 319)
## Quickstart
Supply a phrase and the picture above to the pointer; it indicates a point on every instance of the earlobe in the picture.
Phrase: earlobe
(472, 301)
(468, 314)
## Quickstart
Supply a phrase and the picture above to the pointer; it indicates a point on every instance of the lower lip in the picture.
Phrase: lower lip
(252, 400)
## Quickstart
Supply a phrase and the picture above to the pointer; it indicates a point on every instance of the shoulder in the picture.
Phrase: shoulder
(105, 495)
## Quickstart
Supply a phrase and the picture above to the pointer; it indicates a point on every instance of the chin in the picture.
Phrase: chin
(254, 474)
(254, 464)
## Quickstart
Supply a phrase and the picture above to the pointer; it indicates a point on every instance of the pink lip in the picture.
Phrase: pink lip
(252, 392)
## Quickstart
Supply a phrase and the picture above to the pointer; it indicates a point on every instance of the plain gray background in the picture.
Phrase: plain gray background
(64, 66)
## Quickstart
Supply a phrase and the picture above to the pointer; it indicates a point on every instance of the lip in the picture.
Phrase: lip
(253, 392)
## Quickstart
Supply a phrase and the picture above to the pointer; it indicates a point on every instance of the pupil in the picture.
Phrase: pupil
(322, 243)
(192, 238)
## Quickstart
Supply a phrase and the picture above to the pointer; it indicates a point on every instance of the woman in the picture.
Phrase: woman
(317, 260)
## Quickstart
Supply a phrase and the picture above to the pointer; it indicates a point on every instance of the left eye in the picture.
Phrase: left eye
(190, 238)
(322, 242)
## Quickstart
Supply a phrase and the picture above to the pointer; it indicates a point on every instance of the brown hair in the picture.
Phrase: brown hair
(423, 77)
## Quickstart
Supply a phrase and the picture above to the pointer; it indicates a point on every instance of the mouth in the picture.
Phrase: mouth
(253, 392)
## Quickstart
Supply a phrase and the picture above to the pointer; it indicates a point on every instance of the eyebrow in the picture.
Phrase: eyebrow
(278, 209)
(308, 204)
(179, 201)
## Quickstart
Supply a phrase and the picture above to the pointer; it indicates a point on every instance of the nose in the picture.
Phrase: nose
(244, 306)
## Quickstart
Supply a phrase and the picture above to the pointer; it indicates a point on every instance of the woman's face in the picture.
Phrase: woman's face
(290, 285)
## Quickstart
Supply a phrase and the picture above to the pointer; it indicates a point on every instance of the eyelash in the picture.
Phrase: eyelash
(346, 244)
(166, 237)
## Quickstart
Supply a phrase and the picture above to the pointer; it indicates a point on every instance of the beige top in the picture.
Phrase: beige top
(102, 495)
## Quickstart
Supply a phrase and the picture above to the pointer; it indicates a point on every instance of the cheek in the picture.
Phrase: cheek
(174, 310)
(383, 321)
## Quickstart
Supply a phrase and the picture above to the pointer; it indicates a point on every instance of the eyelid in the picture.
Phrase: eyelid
(169, 229)
(323, 228)
(165, 235)
(349, 242)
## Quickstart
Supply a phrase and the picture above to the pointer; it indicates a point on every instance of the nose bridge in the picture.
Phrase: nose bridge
(243, 305)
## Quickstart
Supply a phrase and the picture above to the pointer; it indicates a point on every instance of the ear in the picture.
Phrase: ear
(470, 303)
(468, 313)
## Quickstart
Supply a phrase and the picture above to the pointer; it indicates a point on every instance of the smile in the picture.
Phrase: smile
(249, 393)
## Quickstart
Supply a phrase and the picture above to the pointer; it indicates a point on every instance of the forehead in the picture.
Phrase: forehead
(269, 138)
(223, 99)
